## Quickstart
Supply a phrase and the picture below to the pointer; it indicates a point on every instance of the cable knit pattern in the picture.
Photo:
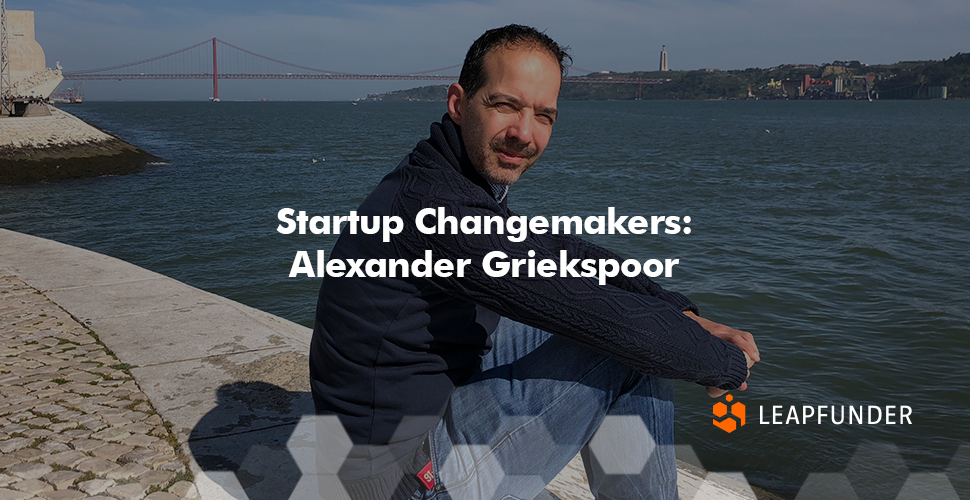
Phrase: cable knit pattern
(631, 319)
(388, 350)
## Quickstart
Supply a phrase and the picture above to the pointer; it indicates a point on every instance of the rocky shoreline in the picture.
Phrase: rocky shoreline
(62, 146)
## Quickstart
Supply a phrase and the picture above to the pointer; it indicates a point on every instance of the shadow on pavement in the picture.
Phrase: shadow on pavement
(226, 439)
(247, 444)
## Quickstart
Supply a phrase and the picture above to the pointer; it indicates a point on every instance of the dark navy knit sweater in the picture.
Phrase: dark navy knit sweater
(388, 351)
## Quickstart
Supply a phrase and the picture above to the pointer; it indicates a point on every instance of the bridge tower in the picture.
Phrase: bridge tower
(215, 73)
(6, 108)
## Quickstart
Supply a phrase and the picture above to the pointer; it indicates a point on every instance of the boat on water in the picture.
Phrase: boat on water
(70, 96)
(68, 100)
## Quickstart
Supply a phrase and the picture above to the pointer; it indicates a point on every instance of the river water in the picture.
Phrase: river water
(837, 233)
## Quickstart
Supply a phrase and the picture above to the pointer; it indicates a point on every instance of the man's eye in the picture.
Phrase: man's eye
(504, 105)
(545, 119)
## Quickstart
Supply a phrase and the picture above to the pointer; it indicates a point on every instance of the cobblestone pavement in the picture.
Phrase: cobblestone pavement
(73, 422)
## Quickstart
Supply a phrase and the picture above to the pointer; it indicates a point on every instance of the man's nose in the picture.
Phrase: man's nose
(521, 129)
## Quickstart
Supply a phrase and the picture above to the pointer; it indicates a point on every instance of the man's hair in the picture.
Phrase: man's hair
(472, 77)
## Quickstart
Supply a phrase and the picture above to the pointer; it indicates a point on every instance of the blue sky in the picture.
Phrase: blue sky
(387, 36)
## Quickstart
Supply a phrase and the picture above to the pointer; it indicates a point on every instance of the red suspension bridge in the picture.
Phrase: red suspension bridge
(218, 60)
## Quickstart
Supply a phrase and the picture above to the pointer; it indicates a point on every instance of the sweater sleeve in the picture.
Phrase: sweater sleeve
(635, 322)
(641, 284)
(580, 248)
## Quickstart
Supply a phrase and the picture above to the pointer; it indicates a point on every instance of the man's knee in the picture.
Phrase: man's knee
(658, 388)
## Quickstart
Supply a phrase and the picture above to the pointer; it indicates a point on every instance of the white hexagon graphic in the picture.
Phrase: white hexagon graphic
(518, 484)
(622, 444)
(470, 472)
(319, 444)
(219, 485)
(826, 486)
(959, 470)
(686, 453)
(411, 422)
(529, 432)
(303, 444)
(570, 482)
(547, 495)
(332, 443)
(724, 486)
(317, 487)
(876, 470)
(922, 485)
(273, 464)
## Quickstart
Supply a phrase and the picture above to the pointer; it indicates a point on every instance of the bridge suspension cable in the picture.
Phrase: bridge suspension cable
(455, 66)
(231, 62)
(227, 44)
(143, 61)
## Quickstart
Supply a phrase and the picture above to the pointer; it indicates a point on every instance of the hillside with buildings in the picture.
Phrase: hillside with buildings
(946, 79)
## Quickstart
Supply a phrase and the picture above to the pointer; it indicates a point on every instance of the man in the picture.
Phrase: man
(486, 387)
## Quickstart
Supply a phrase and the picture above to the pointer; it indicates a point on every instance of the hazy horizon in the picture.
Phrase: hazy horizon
(406, 36)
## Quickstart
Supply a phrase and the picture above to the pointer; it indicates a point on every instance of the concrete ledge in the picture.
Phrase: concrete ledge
(62, 146)
(232, 380)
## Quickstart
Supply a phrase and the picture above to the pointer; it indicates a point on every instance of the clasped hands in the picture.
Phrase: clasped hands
(742, 339)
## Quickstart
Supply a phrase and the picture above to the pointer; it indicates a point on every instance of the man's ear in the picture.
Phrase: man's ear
(456, 103)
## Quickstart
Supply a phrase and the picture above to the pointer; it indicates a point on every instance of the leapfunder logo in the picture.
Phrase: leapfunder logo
(838, 415)
(733, 421)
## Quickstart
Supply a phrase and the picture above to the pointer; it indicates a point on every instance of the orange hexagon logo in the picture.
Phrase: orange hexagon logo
(733, 421)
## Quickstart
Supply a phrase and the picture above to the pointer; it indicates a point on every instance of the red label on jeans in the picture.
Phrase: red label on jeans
(427, 477)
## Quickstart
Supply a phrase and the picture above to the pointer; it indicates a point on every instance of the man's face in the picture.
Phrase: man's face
(507, 123)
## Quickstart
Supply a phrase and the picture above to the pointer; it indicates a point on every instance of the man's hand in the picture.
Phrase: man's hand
(742, 339)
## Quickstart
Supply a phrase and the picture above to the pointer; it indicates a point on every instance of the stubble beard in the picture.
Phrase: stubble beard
(485, 159)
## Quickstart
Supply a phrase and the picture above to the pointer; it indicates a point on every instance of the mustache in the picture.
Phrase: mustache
(513, 146)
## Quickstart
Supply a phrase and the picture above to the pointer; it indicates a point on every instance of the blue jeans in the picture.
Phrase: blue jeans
(538, 401)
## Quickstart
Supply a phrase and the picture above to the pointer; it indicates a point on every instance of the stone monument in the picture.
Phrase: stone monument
(29, 74)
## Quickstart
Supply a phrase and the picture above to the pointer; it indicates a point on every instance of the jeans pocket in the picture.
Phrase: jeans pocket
(510, 497)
